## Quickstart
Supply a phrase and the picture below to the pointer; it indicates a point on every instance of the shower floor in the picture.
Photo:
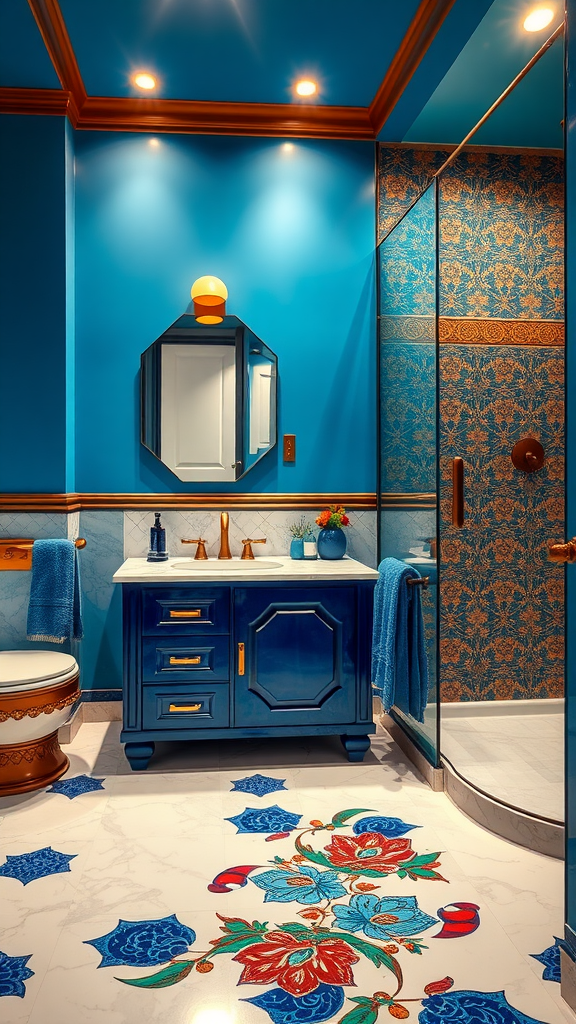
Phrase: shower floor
(517, 759)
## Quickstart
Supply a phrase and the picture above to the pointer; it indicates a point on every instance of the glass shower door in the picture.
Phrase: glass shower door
(408, 426)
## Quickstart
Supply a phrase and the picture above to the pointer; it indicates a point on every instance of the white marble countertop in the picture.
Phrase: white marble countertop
(138, 570)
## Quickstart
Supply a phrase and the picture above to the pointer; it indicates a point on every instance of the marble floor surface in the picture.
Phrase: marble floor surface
(243, 883)
(518, 759)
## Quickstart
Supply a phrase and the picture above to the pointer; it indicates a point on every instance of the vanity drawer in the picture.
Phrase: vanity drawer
(185, 611)
(185, 659)
(181, 707)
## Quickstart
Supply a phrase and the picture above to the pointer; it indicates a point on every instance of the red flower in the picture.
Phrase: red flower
(345, 521)
(370, 850)
(297, 966)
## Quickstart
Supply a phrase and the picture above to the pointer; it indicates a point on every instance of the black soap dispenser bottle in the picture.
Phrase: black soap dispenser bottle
(157, 552)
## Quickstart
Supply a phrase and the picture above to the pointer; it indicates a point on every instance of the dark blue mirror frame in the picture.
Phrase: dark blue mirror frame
(234, 332)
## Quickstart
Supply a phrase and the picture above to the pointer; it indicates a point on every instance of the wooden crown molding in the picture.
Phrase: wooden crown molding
(34, 101)
(152, 502)
(114, 113)
(420, 34)
(142, 114)
(48, 17)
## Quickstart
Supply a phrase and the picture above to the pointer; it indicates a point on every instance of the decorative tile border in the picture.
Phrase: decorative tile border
(465, 330)
(472, 331)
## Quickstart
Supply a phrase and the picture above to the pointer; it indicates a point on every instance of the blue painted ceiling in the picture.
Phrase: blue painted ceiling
(499, 48)
(24, 60)
(243, 50)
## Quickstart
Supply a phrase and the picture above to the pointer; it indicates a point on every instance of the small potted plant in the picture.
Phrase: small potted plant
(299, 530)
(332, 539)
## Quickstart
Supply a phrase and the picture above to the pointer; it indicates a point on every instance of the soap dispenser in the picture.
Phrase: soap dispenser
(157, 552)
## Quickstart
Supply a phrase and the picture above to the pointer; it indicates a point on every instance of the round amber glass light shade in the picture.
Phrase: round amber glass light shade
(209, 291)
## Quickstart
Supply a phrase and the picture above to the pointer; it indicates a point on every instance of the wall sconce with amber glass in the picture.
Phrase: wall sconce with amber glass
(209, 296)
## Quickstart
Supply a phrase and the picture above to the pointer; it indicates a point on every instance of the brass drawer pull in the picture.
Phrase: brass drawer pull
(185, 661)
(190, 613)
(240, 659)
(185, 707)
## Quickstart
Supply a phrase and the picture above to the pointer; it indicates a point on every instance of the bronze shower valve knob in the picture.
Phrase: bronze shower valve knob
(528, 455)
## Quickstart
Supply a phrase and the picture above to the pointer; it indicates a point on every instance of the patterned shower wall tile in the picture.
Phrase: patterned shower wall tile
(502, 630)
(501, 231)
(408, 417)
(274, 526)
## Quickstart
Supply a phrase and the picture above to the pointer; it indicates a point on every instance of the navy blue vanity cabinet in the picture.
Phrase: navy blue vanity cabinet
(259, 659)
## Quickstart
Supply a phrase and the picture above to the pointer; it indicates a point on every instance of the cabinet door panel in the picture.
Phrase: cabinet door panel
(300, 650)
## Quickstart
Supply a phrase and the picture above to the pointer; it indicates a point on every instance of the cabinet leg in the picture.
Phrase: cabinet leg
(138, 755)
(356, 746)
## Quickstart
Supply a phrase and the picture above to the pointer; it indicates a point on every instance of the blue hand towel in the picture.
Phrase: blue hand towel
(54, 608)
(399, 662)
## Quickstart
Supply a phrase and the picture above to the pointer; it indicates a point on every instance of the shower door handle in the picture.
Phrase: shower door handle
(458, 492)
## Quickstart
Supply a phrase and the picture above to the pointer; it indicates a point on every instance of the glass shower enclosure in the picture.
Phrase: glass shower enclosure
(408, 446)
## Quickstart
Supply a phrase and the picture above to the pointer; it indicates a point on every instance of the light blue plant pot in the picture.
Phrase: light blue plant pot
(297, 548)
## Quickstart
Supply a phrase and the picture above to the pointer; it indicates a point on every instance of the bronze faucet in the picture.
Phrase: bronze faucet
(224, 545)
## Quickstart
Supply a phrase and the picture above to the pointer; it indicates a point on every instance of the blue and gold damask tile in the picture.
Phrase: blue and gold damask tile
(502, 623)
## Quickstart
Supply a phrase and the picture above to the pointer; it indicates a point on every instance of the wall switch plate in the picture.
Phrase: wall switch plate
(289, 447)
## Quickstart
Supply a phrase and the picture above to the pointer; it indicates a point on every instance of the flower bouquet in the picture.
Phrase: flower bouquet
(332, 539)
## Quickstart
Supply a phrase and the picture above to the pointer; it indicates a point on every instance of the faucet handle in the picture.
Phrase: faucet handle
(247, 549)
(200, 550)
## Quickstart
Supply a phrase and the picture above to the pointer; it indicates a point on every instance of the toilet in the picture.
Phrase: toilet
(38, 692)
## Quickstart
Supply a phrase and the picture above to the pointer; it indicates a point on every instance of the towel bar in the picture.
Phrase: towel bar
(16, 553)
(420, 581)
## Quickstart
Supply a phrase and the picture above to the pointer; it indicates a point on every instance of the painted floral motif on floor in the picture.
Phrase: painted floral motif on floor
(27, 867)
(337, 876)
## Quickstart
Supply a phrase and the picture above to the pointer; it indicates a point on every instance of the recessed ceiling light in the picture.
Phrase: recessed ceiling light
(306, 87)
(144, 81)
(153, 142)
(538, 19)
(288, 147)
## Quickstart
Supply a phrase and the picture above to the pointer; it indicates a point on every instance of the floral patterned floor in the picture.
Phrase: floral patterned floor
(249, 883)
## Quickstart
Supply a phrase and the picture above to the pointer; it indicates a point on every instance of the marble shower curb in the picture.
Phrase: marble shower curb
(526, 830)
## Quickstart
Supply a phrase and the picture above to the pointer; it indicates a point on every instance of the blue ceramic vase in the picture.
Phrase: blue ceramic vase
(331, 543)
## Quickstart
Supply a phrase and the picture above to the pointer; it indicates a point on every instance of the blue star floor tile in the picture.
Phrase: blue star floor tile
(77, 786)
(13, 974)
(550, 957)
(26, 867)
(265, 819)
(257, 785)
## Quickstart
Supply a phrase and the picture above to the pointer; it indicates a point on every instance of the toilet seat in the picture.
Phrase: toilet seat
(31, 670)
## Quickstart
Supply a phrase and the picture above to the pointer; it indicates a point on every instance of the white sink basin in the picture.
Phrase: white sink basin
(225, 565)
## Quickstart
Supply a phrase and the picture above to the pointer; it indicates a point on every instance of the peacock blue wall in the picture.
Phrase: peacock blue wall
(33, 304)
(290, 229)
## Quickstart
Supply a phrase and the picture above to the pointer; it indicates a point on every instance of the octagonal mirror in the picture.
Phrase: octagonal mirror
(208, 399)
